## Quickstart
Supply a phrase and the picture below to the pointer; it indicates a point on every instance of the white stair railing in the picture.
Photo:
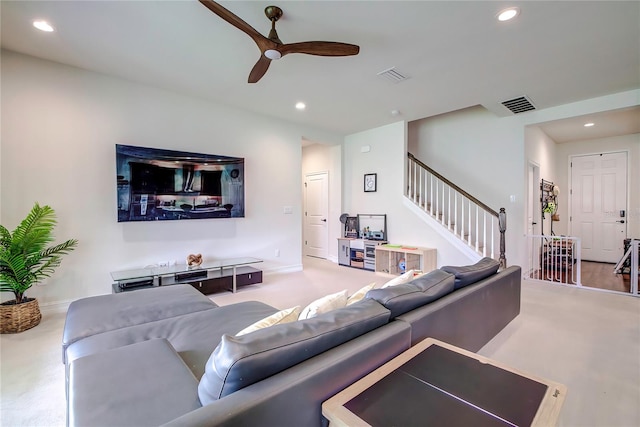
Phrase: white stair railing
(470, 220)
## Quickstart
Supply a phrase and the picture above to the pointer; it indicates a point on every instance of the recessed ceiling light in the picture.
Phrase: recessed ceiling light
(300, 106)
(508, 13)
(588, 125)
(43, 25)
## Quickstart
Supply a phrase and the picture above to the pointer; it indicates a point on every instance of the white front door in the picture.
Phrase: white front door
(316, 230)
(599, 204)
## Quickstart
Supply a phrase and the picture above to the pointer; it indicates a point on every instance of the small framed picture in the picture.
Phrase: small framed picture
(370, 182)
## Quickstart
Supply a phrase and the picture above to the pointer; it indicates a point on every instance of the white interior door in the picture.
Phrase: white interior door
(533, 218)
(599, 204)
(316, 214)
(533, 200)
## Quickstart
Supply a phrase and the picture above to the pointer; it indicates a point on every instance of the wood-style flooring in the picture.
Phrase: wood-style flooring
(600, 275)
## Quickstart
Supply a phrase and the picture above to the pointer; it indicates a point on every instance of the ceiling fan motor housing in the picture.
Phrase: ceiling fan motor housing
(273, 13)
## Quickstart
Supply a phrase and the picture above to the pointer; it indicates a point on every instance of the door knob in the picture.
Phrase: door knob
(621, 221)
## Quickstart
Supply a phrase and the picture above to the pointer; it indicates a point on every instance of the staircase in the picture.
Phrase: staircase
(463, 217)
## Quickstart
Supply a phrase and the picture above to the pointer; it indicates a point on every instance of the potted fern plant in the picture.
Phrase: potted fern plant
(25, 259)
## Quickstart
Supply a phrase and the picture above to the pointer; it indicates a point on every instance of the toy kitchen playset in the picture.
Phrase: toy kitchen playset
(362, 233)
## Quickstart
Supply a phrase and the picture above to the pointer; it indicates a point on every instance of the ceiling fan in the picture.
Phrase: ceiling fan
(272, 48)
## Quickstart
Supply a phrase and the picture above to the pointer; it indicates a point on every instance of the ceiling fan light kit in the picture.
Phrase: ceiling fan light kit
(272, 48)
(272, 54)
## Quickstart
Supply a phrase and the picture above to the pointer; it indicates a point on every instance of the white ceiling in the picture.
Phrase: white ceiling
(455, 53)
(606, 124)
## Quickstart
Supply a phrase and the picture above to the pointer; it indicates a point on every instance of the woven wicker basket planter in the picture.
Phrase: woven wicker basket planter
(19, 317)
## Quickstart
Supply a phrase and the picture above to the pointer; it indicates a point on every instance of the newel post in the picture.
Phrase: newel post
(502, 223)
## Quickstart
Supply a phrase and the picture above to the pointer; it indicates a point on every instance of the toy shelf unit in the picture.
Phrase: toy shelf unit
(396, 259)
(362, 233)
(356, 254)
(372, 227)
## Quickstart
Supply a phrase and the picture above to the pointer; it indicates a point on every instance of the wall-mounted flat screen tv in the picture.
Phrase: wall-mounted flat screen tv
(155, 184)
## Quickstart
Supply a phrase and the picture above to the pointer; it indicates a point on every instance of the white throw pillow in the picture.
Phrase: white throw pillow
(284, 316)
(400, 280)
(360, 293)
(324, 304)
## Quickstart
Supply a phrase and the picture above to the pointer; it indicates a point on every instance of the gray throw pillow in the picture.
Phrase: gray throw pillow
(468, 274)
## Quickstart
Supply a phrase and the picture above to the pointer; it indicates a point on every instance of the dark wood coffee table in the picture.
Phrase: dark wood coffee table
(437, 384)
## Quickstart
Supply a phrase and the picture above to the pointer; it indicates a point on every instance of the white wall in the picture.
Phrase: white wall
(59, 129)
(387, 158)
(541, 150)
(483, 154)
(327, 158)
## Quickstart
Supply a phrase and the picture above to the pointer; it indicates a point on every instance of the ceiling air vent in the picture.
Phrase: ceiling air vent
(392, 75)
(519, 105)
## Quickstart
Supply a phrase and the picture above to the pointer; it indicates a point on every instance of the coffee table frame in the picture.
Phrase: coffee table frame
(339, 416)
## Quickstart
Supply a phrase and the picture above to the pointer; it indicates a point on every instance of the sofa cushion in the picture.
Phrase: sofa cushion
(468, 274)
(400, 299)
(324, 304)
(95, 315)
(283, 316)
(238, 362)
(144, 384)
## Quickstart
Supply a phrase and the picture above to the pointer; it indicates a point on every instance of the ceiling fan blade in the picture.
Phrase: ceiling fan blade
(262, 42)
(319, 48)
(259, 69)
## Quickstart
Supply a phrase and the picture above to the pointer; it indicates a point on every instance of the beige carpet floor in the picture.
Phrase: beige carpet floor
(587, 340)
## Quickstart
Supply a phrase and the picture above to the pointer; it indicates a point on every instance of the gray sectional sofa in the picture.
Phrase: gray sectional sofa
(170, 356)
